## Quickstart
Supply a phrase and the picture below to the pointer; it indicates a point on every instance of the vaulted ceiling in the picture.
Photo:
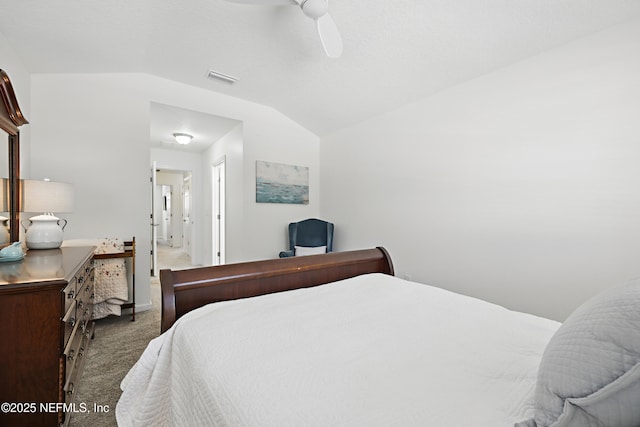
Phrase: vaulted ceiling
(395, 52)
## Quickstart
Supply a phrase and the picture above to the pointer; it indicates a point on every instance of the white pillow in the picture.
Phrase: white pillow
(303, 250)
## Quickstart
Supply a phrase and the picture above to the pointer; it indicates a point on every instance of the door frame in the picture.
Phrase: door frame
(218, 209)
(154, 224)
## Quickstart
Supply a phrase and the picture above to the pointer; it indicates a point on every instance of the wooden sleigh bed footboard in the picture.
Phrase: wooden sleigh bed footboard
(185, 290)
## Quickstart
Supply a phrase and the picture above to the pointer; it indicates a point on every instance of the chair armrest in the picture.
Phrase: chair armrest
(286, 254)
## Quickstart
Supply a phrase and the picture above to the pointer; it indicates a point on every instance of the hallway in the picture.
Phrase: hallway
(172, 258)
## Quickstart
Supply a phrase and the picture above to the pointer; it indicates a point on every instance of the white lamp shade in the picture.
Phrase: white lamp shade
(47, 196)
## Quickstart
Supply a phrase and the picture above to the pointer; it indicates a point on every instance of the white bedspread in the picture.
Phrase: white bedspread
(369, 351)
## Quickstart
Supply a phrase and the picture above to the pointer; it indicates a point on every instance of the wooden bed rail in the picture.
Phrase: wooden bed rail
(185, 290)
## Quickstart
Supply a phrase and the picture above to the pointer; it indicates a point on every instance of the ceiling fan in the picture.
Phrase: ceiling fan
(318, 11)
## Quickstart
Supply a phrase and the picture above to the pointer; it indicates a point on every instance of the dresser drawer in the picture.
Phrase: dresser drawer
(70, 321)
(84, 274)
(73, 351)
(75, 368)
(87, 287)
(84, 306)
(69, 294)
(84, 316)
(78, 333)
(86, 291)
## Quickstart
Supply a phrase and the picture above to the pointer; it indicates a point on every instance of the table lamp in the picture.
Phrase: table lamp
(45, 231)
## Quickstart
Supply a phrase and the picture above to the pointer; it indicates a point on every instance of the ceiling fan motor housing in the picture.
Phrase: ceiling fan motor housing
(314, 8)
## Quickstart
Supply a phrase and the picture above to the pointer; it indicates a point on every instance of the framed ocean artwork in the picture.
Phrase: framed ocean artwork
(278, 183)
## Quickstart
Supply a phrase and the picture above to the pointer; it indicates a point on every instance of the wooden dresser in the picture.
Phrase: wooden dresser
(46, 302)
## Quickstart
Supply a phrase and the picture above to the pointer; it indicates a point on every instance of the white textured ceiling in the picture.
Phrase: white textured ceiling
(395, 52)
(165, 120)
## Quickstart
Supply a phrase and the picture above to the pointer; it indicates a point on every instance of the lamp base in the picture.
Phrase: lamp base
(44, 232)
(43, 245)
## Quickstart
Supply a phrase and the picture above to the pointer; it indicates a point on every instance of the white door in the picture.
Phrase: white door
(218, 209)
(164, 232)
(186, 212)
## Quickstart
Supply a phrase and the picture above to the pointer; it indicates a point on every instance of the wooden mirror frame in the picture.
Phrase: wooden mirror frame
(11, 119)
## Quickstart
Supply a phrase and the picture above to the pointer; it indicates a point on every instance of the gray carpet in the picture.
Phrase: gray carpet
(117, 345)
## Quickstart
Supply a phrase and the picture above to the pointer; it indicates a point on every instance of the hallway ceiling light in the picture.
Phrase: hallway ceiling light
(182, 138)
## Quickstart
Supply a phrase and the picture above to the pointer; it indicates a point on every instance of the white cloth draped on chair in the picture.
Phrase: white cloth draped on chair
(111, 288)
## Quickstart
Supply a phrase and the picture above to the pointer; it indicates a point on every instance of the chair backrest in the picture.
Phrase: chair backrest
(311, 233)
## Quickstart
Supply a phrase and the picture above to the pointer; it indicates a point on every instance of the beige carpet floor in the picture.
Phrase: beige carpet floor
(117, 345)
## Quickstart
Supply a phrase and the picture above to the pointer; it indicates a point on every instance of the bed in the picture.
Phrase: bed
(337, 340)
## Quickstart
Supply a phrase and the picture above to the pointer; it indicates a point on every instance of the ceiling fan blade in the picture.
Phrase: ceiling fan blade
(316, 10)
(330, 36)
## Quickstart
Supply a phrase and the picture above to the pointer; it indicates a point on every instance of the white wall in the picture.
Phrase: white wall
(520, 187)
(93, 131)
(265, 224)
(11, 64)
(230, 148)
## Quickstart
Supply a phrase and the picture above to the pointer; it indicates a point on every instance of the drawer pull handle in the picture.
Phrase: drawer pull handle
(70, 391)
(71, 355)
(72, 321)
(80, 279)
(71, 294)
(80, 304)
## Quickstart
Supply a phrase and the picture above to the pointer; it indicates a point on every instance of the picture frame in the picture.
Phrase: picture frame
(281, 183)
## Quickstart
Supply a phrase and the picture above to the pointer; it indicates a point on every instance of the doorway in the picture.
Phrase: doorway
(164, 232)
(214, 137)
(171, 218)
(218, 197)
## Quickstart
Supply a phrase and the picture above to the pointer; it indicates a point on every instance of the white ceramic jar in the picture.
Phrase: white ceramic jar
(44, 232)
(4, 231)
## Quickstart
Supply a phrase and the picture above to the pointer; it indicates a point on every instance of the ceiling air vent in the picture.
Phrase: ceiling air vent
(214, 75)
